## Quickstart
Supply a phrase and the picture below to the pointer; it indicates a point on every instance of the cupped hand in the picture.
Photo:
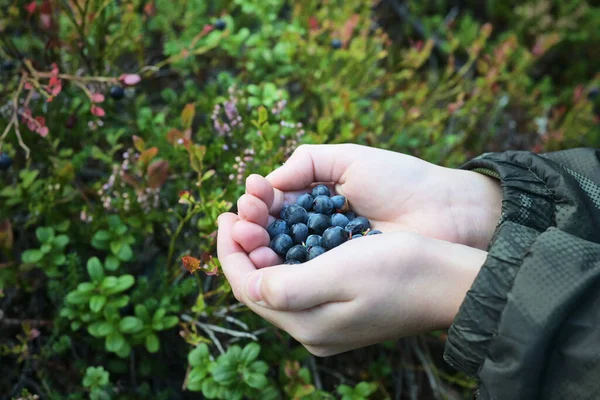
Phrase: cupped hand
(365, 291)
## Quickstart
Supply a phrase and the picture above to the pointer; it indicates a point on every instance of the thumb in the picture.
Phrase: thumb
(313, 163)
(294, 288)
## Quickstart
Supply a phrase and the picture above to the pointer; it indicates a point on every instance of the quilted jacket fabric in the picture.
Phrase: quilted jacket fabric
(529, 327)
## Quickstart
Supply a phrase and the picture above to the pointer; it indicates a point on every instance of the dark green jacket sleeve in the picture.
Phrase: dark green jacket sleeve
(529, 327)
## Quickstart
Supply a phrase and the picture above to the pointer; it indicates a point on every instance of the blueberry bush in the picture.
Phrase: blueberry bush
(127, 127)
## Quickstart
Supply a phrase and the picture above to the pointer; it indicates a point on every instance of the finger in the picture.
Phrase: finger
(249, 235)
(313, 163)
(253, 209)
(264, 257)
(234, 261)
(274, 199)
(292, 288)
(261, 188)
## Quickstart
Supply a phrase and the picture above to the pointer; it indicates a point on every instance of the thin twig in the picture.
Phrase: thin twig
(219, 329)
(315, 372)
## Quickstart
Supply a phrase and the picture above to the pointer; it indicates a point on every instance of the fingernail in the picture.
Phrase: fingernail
(253, 288)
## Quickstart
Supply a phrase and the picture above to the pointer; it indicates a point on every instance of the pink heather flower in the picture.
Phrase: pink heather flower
(130, 79)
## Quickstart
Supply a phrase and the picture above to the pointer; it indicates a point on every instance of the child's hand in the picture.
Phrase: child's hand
(394, 191)
(363, 292)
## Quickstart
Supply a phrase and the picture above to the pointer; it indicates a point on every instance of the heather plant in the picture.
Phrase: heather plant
(126, 128)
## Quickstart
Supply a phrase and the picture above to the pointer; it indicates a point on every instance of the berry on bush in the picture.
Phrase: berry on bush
(8, 65)
(336, 44)
(117, 92)
(220, 25)
(5, 161)
(301, 235)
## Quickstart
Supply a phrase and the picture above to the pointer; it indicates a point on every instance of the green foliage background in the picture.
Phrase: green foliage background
(104, 196)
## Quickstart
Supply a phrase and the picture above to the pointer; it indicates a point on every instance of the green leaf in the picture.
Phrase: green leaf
(121, 230)
(257, 381)
(152, 343)
(31, 256)
(142, 312)
(170, 321)
(345, 390)
(76, 297)
(46, 248)
(158, 315)
(99, 244)
(101, 329)
(61, 241)
(63, 226)
(195, 378)
(44, 234)
(114, 342)
(364, 389)
(210, 388)
(102, 236)
(28, 177)
(85, 287)
(97, 302)
(131, 325)
(114, 221)
(58, 259)
(250, 353)
(224, 373)
(111, 263)
(109, 282)
(124, 351)
(263, 115)
(259, 367)
(95, 270)
(125, 253)
(198, 356)
(115, 246)
(75, 325)
(124, 283)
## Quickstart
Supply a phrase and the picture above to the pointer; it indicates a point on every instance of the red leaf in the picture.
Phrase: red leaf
(43, 131)
(313, 23)
(31, 7)
(190, 263)
(97, 98)
(148, 155)
(97, 111)
(158, 172)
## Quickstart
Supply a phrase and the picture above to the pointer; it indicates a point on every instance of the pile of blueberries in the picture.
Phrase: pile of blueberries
(318, 222)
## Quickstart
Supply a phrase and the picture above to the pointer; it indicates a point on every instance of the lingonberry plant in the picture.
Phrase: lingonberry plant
(126, 128)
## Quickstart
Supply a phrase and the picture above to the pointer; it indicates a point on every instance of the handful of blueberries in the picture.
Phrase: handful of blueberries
(318, 222)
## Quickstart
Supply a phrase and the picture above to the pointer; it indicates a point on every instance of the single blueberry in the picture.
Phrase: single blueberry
(299, 233)
(333, 237)
(220, 25)
(8, 65)
(5, 161)
(284, 211)
(340, 203)
(281, 244)
(298, 252)
(117, 92)
(323, 205)
(374, 232)
(320, 190)
(593, 93)
(350, 215)
(339, 220)
(336, 44)
(317, 223)
(305, 201)
(278, 226)
(357, 225)
(314, 240)
(296, 215)
(356, 235)
(292, 262)
(315, 251)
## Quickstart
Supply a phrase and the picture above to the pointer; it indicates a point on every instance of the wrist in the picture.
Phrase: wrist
(458, 265)
(479, 207)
